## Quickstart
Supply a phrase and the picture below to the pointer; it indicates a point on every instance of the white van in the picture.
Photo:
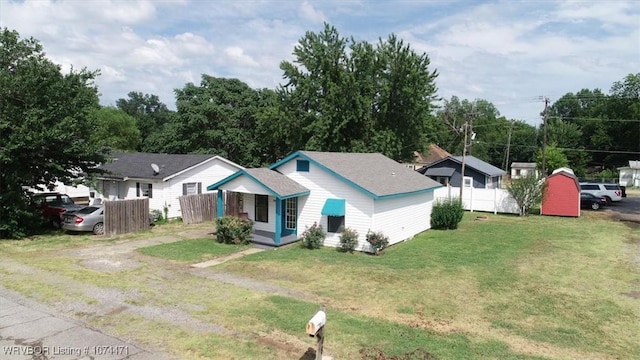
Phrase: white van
(611, 192)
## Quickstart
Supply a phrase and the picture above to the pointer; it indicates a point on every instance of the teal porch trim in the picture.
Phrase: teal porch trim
(220, 204)
(278, 235)
(333, 207)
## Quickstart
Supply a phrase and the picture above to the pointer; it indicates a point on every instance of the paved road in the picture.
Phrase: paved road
(29, 330)
(628, 208)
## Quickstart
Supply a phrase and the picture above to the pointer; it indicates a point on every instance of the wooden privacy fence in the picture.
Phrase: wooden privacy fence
(203, 207)
(125, 216)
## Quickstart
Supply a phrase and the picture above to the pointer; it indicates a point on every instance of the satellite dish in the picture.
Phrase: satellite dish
(156, 169)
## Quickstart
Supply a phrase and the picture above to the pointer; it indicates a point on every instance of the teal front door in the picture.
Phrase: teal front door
(290, 216)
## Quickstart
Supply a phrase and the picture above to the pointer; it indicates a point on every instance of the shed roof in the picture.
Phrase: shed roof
(524, 165)
(373, 173)
(439, 171)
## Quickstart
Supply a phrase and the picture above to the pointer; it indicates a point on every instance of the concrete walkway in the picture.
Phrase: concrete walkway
(223, 259)
(29, 330)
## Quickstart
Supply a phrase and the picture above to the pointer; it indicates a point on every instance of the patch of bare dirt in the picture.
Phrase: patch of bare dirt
(377, 354)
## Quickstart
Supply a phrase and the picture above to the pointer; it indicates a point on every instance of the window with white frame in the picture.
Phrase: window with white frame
(191, 188)
(144, 189)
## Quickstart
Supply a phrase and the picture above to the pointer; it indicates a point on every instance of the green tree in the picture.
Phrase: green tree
(45, 126)
(345, 95)
(568, 136)
(528, 191)
(116, 130)
(150, 114)
(555, 158)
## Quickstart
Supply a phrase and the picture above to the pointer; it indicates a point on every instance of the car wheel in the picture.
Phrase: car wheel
(595, 206)
(98, 229)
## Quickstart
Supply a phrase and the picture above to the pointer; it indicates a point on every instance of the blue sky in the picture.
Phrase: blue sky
(507, 52)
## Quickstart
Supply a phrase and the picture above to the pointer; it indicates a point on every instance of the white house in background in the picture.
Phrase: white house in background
(630, 175)
(362, 191)
(160, 177)
(523, 169)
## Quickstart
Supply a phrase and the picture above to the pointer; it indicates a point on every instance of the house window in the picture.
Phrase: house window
(262, 208)
(467, 182)
(191, 188)
(144, 190)
(302, 165)
(335, 224)
(517, 172)
(444, 180)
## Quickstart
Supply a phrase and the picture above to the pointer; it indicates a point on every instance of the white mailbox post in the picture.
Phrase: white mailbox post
(315, 328)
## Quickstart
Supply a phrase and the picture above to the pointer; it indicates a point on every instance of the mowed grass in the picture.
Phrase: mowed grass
(192, 250)
(542, 286)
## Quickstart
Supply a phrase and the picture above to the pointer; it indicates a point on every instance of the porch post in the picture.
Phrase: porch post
(220, 204)
(278, 221)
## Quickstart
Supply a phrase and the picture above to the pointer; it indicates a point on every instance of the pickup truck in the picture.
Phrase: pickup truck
(53, 206)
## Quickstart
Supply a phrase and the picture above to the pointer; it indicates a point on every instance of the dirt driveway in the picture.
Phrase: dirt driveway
(95, 304)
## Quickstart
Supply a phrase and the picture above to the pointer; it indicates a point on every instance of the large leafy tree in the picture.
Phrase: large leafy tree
(347, 95)
(116, 130)
(150, 114)
(46, 130)
(219, 116)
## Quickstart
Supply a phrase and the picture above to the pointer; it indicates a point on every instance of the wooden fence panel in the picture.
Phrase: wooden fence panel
(203, 207)
(125, 216)
(198, 208)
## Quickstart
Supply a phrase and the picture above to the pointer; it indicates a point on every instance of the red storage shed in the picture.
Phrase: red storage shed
(562, 196)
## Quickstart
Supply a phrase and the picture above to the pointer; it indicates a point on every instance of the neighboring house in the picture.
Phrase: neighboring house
(433, 154)
(630, 175)
(361, 191)
(562, 194)
(477, 173)
(161, 177)
(523, 169)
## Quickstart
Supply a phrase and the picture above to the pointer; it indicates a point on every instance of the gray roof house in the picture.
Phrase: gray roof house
(477, 173)
(160, 177)
(361, 191)
(523, 169)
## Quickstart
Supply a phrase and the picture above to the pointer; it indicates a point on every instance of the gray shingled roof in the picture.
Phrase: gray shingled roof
(278, 183)
(138, 165)
(524, 165)
(374, 172)
(483, 167)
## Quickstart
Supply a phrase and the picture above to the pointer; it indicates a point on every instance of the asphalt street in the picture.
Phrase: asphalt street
(29, 330)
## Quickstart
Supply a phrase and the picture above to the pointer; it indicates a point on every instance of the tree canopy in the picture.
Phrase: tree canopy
(46, 127)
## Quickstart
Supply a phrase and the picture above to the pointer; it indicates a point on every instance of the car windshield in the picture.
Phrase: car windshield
(87, 210)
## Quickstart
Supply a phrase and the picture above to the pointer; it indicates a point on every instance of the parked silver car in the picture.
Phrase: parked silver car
(90, 218)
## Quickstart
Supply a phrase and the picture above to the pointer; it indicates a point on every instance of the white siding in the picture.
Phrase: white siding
(401, 218)
(323, 185)
(250, 209)
(244, 184)
(208, 173)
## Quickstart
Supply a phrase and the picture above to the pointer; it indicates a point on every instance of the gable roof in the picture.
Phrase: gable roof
(472, 162)
(373, 173)
(524, 165)
(277, 184)
(137, 165)
(434, 154)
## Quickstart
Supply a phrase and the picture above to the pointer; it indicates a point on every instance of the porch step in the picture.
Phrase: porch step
(223, 259)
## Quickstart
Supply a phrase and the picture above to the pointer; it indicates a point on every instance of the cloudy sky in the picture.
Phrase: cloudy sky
(508, 52)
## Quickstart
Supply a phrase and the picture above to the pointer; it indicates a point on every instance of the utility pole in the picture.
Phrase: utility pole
(468, 125)
(544, 137)
(505, 165)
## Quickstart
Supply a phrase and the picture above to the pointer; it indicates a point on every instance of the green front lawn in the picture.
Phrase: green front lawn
(192, 250)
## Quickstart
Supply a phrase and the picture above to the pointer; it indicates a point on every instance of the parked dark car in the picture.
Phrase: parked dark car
(90, 218)
(54, 205)
(591, 201)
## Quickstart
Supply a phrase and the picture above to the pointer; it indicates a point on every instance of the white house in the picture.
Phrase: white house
(523, 169)
(630, 175)
(160, 177)
(361, 191)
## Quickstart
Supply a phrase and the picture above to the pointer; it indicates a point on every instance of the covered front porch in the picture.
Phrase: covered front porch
(270, 200)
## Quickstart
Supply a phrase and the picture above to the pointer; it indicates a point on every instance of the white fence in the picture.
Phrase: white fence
(488, 200)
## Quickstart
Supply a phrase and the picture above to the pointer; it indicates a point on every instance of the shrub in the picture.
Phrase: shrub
(377, 240)
(447, 214)
(348, 240)
(313, 237)
(233, 230)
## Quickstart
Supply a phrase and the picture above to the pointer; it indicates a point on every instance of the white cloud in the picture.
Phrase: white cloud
(502, 51)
